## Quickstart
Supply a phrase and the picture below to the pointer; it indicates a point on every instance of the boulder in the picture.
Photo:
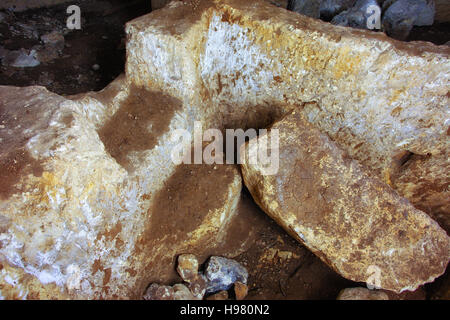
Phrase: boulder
(78, 218)
(250, 63)
(90, 199)
(351, 220)
(310, 8)
(330, 8)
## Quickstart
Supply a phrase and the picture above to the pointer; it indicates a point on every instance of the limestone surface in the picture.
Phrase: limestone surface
(354, 222)
(90, 199)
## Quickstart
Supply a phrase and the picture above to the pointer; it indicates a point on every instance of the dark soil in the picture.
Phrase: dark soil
(128, 130)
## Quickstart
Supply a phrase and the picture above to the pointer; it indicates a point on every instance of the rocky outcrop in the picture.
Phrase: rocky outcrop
(378, 98)
(361, 294)
(78, 218)
(355, 223)
(89, 194)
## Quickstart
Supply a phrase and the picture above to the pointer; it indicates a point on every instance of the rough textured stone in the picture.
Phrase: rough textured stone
(362, 294)
(198, 286)
(19, 58)
(442, 11)
(400, 17)
(221, 273)
(21, 5)
(354, 222)
(181, 292)
(375, 96)
(159, 292)
(80, 221)
(240, 290)
(310, 8)
(222, 295)
(227, 63)
(357, 16)
(187, 267)
(330, 8)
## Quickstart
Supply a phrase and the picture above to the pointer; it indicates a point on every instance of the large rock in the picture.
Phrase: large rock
(82, 202)
(442, 11)
(91, 204)
(400, 17)
(361, 294)
(375, 96)
(310, 8)
(354, 222)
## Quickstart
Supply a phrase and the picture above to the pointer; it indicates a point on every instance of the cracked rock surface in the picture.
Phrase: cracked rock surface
(90, 199)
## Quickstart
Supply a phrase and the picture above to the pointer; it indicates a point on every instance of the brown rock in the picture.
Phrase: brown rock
(354, 222)
(187, 267)
(74, 174)
(221, 295)
(240, 290)
(361, 294)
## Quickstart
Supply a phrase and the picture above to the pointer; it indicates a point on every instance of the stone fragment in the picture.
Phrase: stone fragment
(221, 295)
(358, 16)
(221, 273)
(400, 17)
(361, 294)
(181, 292)
(5, 223)
(350, 219)
(159, 292)
(198, 286)
(240, 290)
(68, 174)
(442, 11)
(19, 58)
(53, 40)
(310, 8)
(187, 267)
(330, 8)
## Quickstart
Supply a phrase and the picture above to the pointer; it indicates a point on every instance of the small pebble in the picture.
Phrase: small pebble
(240, 290)
(187, 267)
